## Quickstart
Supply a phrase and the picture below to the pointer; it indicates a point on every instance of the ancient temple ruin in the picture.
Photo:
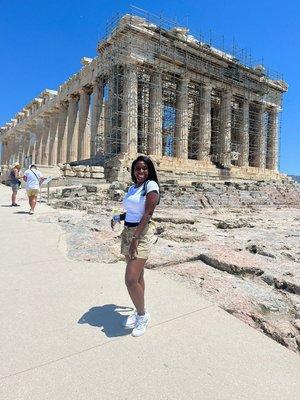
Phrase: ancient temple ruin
(198, 111)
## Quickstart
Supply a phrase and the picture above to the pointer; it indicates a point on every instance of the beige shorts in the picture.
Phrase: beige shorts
(32, 192)
(147, 239)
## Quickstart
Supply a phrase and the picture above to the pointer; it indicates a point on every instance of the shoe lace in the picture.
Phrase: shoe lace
(141, 322)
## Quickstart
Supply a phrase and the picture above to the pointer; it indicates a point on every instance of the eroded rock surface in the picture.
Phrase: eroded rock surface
(237, 244)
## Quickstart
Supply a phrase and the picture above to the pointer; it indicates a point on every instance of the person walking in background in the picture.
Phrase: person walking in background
(14, 177)
(138, 236)
(33, 178)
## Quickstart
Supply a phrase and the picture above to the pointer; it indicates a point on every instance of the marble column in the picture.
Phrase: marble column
(225, 129)
(243, 160)
(181, 119)
(45, 140)
(259, 159)
(4, 152)
(26, 149)
(97, 131)
(155, 115)
(20, 140)
(272, 149)
(32, 142)
(72, 141)
(7, 154)
(53, 138)
(62, 133)
(38, 144)
(112, 128)
(84, 130)
(204, 123)
(8, 151)
(20, 152)
(14, 152)
(129, 112)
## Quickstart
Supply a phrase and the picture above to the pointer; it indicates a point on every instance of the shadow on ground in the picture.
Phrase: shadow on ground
(108, 318)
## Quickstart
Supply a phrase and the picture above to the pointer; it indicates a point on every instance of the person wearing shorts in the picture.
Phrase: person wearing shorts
(138, 237)
(33, 178)
(15, 183)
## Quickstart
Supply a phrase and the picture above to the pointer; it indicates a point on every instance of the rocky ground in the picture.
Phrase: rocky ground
(237, 244)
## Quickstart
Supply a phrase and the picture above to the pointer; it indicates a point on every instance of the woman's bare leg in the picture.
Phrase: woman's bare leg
(142, 282)
(135, 283)
(13, 197)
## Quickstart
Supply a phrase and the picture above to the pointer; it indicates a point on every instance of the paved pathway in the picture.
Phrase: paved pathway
(61, 339)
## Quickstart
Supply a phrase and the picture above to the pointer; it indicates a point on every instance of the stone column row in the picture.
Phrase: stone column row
(265, 151)
(74, 132)
(63, 135)
(129, 122)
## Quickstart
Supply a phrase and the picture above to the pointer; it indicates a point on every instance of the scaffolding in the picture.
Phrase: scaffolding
(139, 45)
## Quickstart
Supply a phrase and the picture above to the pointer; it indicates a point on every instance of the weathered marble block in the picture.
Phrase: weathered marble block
(96, 169)
(97, 175)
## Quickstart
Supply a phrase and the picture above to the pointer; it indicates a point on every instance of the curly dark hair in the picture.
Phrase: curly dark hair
(152, 176)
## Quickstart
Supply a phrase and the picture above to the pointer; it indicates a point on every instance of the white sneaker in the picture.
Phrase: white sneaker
(31, 212)
(142, 322)
(130, 321)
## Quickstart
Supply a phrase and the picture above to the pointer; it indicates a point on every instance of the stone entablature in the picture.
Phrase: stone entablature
(156, 91)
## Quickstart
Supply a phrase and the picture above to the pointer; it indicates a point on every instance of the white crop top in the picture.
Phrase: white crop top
(135, 200)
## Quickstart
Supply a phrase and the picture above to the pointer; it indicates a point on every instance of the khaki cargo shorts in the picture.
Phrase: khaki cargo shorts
(32, 192)
(147, 239)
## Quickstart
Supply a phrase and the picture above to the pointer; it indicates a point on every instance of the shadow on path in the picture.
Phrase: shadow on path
(21, 212)
(108, 318)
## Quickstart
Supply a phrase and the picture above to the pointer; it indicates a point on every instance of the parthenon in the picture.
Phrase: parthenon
(158, 91)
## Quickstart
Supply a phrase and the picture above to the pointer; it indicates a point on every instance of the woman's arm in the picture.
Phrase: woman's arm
(151, 202)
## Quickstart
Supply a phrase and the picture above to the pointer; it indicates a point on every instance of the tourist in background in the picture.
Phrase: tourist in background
(138, 236)
(14, 177)
(33, 178)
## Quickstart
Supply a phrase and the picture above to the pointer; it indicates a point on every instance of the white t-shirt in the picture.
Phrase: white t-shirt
(135, 200)
(33, 179)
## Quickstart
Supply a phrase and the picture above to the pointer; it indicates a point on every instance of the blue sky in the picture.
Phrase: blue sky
(42, 42)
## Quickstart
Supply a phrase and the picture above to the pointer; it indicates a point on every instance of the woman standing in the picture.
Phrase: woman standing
(15, 183)
(138, 236)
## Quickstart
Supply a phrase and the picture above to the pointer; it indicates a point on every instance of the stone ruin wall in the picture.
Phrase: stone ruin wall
(199, 112)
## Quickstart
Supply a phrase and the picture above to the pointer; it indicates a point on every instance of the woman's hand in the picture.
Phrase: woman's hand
(114, 220)
(133, 252)
(113, 223)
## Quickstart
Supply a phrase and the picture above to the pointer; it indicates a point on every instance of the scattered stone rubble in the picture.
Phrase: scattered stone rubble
(231, 194)
(237, 244)
(82, 171)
